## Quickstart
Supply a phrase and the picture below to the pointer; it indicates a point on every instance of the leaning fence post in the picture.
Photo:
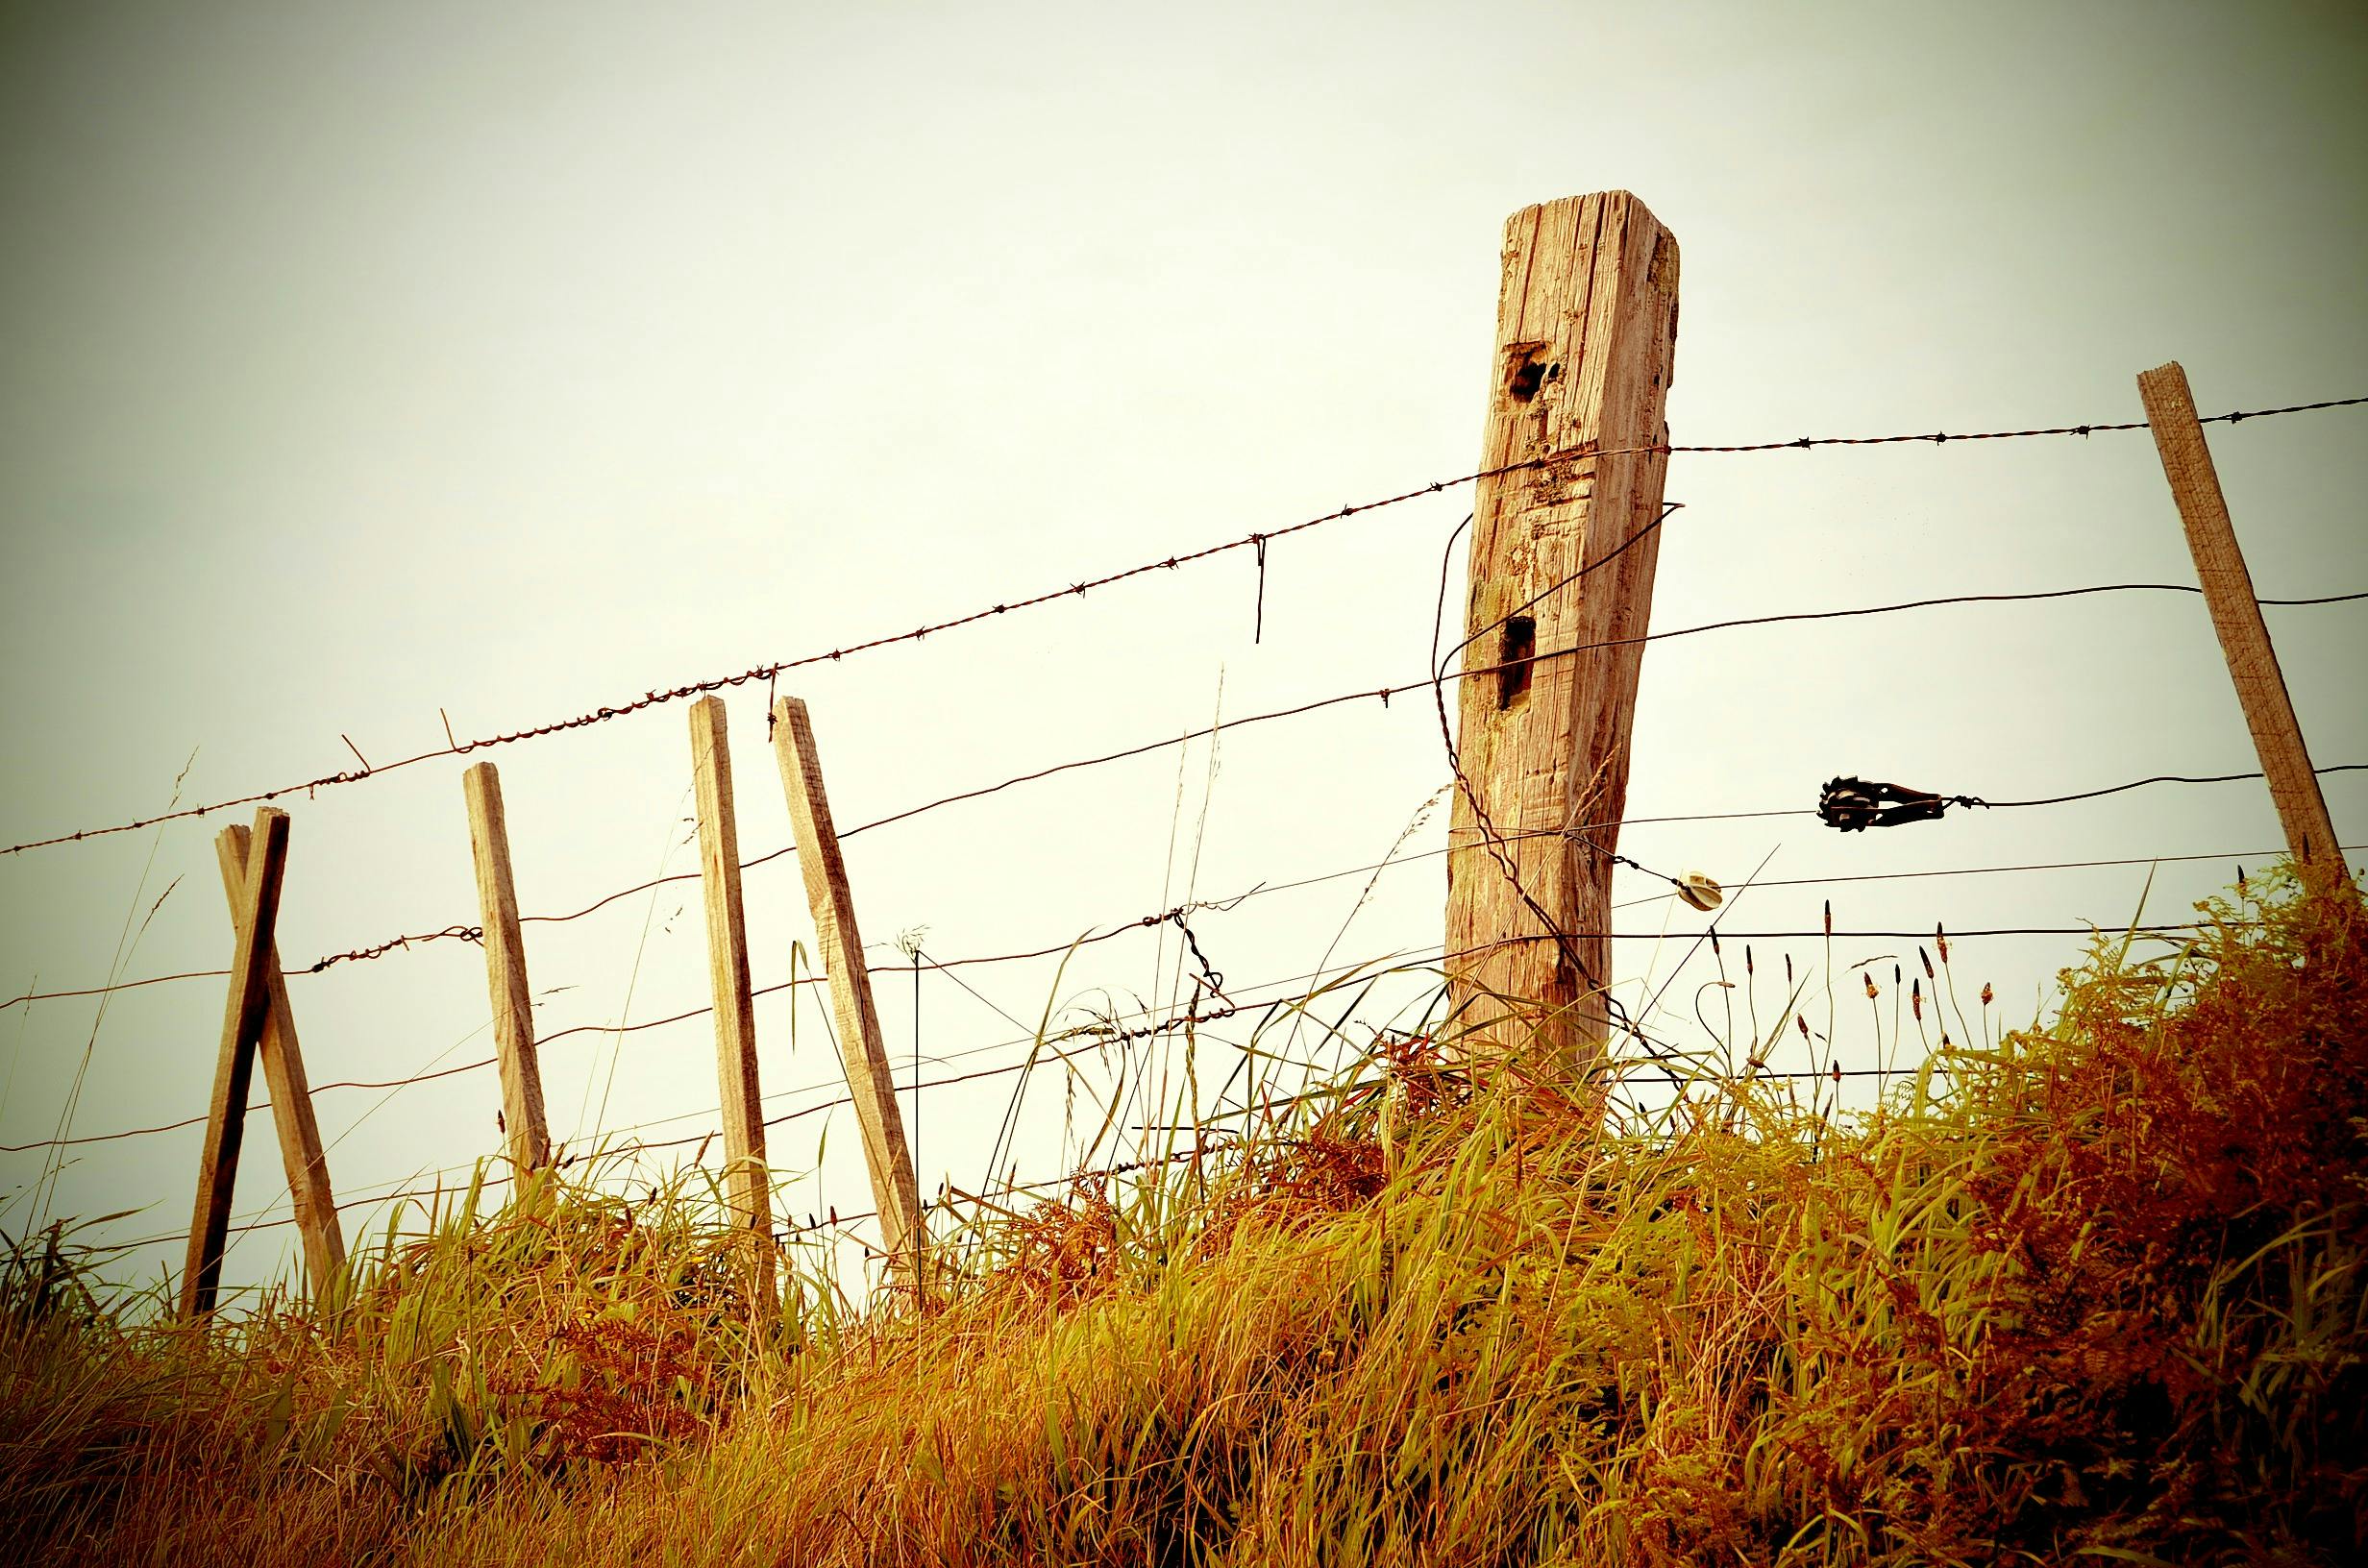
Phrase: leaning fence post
(506, 972)
(2237, 617)
(255, 914)
(292, 1093)
(1586, 337)
(894, 1188)
(746, 1179)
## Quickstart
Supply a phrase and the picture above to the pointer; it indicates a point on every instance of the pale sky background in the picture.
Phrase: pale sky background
(362, 361)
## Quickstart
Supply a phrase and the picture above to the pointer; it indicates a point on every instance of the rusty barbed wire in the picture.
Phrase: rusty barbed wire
(655, 696)
(464, 933)
(1942, 438)
(1257, 540)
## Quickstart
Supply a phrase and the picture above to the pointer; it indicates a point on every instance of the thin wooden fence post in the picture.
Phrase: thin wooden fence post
(506, 972)
(292, 1093)
(894, 1188)
(747, 1182)
(2237, 617)
(1586, 338)
(255, 914)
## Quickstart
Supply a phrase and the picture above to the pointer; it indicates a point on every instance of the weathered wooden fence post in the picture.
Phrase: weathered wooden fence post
(746, 1178)
(1585, 337)
(2244, 636)
(255, 914)
(291, 1092)
(506, 972)
(894, 1188)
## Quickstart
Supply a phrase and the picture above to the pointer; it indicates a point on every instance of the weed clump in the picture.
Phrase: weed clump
(570, 1328)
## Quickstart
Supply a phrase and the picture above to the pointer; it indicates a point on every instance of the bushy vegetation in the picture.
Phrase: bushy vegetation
(2094, 1291)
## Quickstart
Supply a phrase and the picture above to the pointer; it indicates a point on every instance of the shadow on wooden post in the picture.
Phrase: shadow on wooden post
(291, 1098)
(255, 914)
(894, 1190)
(747, 1185)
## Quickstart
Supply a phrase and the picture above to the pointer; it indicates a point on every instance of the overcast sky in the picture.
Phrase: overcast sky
(360, 364)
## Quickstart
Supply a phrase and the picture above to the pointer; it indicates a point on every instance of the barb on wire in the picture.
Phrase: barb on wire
(1208, 975)
(1108, 1034)
(463, 933)
(766, 673)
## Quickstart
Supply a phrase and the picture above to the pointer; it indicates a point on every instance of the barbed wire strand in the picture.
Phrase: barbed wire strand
(768, 672)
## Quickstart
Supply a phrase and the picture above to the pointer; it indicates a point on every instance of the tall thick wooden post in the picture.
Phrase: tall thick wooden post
(1585, 337)
(747, 1183)
(506, 972)
(254, 915)
(291, 1092)
(2236, 616)
(894, 1188)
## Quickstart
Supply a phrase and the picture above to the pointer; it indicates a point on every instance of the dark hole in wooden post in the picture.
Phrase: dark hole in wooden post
(1528, 370)
(1513, 660)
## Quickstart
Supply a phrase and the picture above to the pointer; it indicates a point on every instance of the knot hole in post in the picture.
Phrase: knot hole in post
(1527, 369)
(1513, 660)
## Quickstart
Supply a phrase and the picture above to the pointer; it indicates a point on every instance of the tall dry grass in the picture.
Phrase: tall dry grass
(2092, 1293)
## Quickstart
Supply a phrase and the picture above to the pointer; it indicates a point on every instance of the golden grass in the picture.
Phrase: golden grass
(2092, 1294)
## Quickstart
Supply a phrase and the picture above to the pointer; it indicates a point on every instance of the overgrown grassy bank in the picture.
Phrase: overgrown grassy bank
(2095, 1293)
